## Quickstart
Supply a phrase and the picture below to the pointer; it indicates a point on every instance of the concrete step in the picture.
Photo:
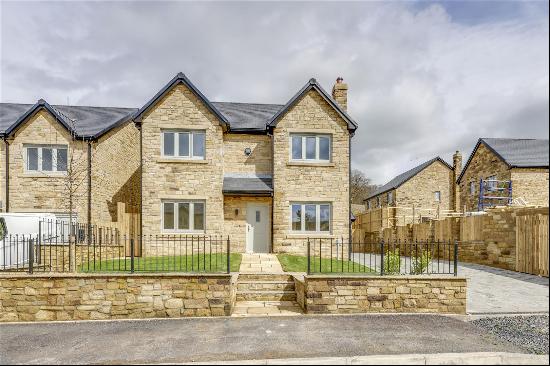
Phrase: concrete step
(266, 308)
(264, 277)
(265, 285)
(279, 295)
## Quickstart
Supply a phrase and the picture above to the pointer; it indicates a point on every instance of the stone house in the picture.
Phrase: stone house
(52, 152)
(266, 175)
(426, 187)
(513, 170)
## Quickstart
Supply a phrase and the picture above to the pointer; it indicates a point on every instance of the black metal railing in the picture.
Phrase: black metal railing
(60, 246)
(382, 258)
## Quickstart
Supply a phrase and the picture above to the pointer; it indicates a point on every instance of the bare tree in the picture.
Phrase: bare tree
(361, 186)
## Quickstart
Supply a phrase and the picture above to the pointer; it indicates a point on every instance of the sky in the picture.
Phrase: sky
(425, 78)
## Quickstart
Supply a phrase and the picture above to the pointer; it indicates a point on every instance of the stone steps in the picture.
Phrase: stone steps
(264, 295)
(265, 286)
(266, 308)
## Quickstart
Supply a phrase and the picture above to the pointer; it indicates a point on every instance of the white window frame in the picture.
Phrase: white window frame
(472, 188)
(389, 197)
(378, 202)
(492, 183)
(304, 137)
(40, 148)
(437, 196)
(191, 229)
(317, 218)
(368, 205)
(176, 155)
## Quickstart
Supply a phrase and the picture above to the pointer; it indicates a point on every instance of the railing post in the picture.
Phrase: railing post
(456, 259)
(39, 244)
(131, 255)
(308, 257)
(31, 255)
(382, 257)
(228, 255)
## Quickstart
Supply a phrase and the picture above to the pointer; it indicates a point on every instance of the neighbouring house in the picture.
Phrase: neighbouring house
(426, 188)
(266, 175)
(502, 171)
(51, 153)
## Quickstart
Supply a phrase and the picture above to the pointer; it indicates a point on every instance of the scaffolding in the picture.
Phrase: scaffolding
(493, 192)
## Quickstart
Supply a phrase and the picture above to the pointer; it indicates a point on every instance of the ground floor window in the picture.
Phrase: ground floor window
(183, 216)
(311, 217)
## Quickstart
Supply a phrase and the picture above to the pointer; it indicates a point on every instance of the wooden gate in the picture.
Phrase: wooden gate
(532, 244)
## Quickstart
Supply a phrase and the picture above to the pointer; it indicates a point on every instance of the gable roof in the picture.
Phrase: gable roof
(180, 78)
(85, 122)
(516, 153)
(312, 84)
(404, 177)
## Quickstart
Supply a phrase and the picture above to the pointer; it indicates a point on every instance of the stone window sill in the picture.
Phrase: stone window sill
(302, 163)
(182, 161)
(45, 175)
(313, 235)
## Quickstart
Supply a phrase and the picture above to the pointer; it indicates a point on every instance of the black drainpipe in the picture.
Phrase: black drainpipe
(272, 137)
(89, 182)
(349, 187)
(7, 174)
(139, 126)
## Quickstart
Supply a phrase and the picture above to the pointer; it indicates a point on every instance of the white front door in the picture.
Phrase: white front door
(258, 236)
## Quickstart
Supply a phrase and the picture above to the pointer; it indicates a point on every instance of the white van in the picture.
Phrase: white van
(16, 229)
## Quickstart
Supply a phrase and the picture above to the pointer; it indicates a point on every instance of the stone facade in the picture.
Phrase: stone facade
(115, 173)
(419, 192)
(528, 184)
(112, 296)
(260, 160)
(181, 179)
(303, 182)
(370, 294)
(45, 192)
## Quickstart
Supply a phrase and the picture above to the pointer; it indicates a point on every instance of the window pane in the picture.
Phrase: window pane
(47, 163)
(32, 158)
(297, 147)
(183, 141)
(310, 218)
(296, 217)
(324, 217)
(258, 216)
(438, 196)
(183, 216)
(198, 216)
(310, 147)
(324, 148)
(198, 144)
(61, 160)
(168, 144)
(168, 216)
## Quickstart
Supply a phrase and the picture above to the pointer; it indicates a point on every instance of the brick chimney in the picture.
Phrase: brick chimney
(340, 93)
(457, 169)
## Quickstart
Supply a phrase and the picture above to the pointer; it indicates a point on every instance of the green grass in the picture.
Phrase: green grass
(296, 263)
(190, 263)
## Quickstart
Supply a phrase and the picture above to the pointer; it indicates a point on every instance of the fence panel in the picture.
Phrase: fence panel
(532, 244)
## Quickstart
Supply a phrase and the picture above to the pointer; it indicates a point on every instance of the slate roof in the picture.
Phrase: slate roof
(247, 116)
(86, 121)
(404, 177)
(248, 185)
(516, 153)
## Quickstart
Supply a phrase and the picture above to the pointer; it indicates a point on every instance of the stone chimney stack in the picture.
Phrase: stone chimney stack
(340, 93)
(457, 165)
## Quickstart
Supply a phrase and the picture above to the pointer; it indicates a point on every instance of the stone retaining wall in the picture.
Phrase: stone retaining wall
(388, 294)
(114, 296)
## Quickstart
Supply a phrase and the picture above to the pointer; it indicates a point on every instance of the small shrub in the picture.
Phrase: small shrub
(392, 262)
(421, 263)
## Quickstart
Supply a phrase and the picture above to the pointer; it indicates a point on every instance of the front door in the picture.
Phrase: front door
(258, 235)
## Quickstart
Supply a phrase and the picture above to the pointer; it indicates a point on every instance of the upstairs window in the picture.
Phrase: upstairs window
(314, 148)
(183, 144)
(472, 188)
(437, 196)
(390, 198)
(378, 203)
(492, 183)
(46, 158)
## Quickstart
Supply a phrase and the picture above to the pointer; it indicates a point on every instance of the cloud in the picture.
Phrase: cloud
(425, 79)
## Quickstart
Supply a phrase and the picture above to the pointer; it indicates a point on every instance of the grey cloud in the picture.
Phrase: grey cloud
(422, 83)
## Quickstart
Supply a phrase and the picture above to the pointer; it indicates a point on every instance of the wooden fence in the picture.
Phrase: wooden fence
(532, 244)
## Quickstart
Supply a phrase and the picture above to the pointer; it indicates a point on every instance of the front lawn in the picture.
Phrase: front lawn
(296, 263)
(190, 263)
